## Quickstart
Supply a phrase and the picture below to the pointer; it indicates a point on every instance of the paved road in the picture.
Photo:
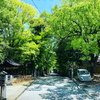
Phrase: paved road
(54, 88)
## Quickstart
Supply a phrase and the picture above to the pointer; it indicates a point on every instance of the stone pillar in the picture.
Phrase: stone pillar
(11, 79)
(3, 85)
(4, 92)
(6, 80)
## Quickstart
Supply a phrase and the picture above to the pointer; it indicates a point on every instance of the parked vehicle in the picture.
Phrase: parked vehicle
(83, 75)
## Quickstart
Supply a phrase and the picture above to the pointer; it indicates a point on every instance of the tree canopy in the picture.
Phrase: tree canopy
(77, 22)
(14, 16)
(62, 39)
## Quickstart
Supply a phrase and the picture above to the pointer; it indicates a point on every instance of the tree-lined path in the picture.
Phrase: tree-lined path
(54, 88)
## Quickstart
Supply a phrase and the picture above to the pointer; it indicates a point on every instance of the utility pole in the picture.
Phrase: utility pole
(72, 72)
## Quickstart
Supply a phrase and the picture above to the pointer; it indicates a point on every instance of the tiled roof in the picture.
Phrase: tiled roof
(12, 62)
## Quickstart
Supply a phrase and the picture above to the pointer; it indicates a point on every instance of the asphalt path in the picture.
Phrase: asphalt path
(54, 88)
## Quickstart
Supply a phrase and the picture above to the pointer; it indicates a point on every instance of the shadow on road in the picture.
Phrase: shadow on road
(58, 88)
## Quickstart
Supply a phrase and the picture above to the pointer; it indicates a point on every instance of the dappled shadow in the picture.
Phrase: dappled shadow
(64, 93)
(57, 88)
(48, 81)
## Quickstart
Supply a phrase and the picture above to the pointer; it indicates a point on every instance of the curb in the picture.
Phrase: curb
(16, 94)
(23, 91)
(82, 87)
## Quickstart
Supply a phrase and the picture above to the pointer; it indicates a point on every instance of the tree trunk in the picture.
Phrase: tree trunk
(93, 63)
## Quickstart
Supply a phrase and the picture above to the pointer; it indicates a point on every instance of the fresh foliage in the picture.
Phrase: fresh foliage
(65, 38)
(77, 22)
(14, 16)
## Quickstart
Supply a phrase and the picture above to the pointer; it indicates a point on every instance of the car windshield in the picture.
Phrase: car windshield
(84, 72)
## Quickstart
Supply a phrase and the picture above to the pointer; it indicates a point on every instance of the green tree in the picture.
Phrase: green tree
(87, 41)
(78, 22)
(46, 57)
(15, 16)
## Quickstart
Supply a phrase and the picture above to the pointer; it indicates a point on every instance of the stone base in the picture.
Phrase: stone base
(3, 98)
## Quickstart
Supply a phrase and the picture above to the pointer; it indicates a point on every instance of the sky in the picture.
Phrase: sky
(43, 4)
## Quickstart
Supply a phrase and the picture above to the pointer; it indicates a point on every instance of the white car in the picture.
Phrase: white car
(83, 75)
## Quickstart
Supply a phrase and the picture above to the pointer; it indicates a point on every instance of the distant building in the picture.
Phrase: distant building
(9, 63)
(10, 66)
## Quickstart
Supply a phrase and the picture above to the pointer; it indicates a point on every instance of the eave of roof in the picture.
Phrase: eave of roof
(12, 62)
